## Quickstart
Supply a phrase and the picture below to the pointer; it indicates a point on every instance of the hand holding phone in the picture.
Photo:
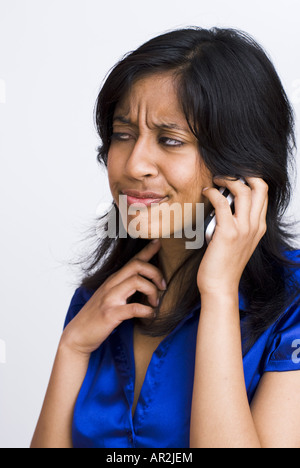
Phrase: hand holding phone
(211, 221)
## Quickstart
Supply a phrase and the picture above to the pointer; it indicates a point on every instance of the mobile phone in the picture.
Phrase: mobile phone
(211, 221)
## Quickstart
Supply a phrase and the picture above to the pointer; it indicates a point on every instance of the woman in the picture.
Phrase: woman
(166, 346)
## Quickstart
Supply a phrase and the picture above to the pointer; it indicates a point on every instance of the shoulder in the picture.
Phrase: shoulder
(293, 270)
(284, 339)
(80, 297)
(292, 276)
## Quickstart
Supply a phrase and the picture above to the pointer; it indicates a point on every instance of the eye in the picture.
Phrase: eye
(171, 142)
(120, 136)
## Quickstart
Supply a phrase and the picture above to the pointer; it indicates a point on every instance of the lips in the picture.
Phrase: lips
(143, 198)
(144, 201)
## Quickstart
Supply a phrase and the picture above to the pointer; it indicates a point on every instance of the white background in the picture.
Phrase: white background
(53, 58)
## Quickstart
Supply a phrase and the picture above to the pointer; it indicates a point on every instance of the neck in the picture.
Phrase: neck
(171, 256)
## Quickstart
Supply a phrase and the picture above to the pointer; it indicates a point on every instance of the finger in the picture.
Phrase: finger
(138, 264)
(259, 190)
(149, 251)
(263, 219)
(148, 270)
(242, 198)
(120, 293)
(264, 212)
(221, 205)
(141, 259)
(134, 310)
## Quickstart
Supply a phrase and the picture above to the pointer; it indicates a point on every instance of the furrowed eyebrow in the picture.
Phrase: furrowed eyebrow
(122, 119)
(165, 126)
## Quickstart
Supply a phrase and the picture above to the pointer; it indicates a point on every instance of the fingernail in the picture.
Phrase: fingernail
(164, 284)
(155, 241)
(206, 188)
(157, 303)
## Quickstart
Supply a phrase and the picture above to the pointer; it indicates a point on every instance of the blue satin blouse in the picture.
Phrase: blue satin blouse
(102, 415)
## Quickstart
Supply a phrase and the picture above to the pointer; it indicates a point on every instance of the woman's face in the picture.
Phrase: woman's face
(153, 150)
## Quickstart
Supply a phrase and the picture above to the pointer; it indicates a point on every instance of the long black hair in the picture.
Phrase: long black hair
(237, 109)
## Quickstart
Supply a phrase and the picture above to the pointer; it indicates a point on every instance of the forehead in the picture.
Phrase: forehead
(152, 98)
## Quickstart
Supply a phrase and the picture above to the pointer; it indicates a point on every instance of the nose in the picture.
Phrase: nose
(141, 160)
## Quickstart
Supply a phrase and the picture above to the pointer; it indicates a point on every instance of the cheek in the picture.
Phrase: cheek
(110, 163)
(114, 169)
(189, 174)
(180, 173)
(202, 178)
(188, 185)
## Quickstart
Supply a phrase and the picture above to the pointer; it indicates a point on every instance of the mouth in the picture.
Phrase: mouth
(144, 201)
(143, 198)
